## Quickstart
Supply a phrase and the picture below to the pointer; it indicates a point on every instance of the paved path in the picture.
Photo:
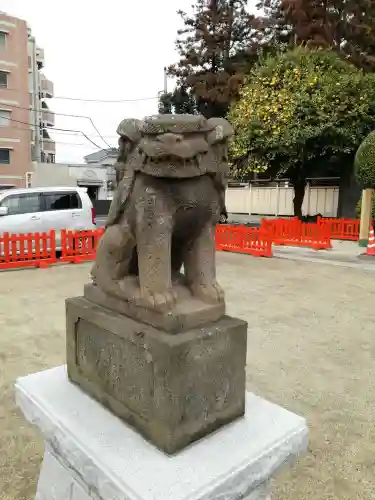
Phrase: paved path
(343, 253)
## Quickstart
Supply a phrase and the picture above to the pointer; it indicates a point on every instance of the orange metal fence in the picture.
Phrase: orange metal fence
(243, 239)
(27, 250)
(293, 232)
(39, 249)
(79, 246)
(341, 229)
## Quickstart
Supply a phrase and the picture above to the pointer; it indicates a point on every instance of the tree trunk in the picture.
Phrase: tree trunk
(299, 186)
(349, 194)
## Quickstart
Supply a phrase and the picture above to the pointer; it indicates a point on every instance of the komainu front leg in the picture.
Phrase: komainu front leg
(113, 257)
(200, 267)
(154, 262)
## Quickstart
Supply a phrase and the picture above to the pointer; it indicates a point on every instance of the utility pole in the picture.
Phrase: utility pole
(165, 80)
(35, 101)
(161, 94)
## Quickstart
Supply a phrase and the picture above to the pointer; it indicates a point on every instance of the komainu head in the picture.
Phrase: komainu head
(174, 145)
(130, 135)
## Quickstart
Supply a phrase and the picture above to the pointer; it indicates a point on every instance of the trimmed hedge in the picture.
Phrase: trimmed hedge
(359, 205)
(364, 163)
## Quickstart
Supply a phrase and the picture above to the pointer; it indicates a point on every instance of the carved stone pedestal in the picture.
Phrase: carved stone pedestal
(91, 454)
(173, 389)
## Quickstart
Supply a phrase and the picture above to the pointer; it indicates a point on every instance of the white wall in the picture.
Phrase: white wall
(279, 200)
(51, 174)
(60, 174)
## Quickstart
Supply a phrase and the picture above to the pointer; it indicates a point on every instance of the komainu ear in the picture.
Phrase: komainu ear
(222, 131)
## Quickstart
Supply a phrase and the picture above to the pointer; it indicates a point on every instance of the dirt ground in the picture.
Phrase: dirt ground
(311, 349)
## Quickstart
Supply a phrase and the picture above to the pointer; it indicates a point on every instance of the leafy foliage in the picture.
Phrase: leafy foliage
(347, 26)
(272, 27)
(180, 101)
(359, 207)
(214, 51)
(165, 103)
(301, 112)
(365, 163)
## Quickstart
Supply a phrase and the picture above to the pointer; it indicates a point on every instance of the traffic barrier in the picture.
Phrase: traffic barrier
(293, 232)
(242, 239)
(79, 246)
(27, 250)
(371, 243)
(341, 229)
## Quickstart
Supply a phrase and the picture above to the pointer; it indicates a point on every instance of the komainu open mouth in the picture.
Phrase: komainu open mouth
(173, 146)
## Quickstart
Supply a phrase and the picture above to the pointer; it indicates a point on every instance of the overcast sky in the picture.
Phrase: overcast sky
(109, 50)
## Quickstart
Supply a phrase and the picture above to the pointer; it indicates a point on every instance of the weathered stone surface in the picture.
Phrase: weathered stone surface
(172, 174)
(173, 388)
(189, 312)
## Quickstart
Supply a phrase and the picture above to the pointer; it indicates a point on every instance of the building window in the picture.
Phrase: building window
(4, 156)
(3, 40)
(3, 80)
(5, 117)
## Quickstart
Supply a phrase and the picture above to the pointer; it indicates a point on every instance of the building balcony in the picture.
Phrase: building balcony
(48, 118)
(40, 57)
(46, 87)
(48, 146)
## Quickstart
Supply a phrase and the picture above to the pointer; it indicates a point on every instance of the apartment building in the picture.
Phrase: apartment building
(24, 113)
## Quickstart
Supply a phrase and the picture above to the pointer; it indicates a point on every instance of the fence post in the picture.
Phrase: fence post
(277, 198)
(308, 192)
(365, 217)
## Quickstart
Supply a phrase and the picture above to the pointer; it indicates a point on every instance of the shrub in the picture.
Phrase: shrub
(300, 114)
(364, 163)
(359, 205)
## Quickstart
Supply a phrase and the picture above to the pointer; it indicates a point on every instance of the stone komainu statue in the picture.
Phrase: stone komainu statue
(172, 173)
(129, 132)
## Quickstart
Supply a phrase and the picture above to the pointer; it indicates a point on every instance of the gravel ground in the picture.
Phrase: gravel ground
(311, 349)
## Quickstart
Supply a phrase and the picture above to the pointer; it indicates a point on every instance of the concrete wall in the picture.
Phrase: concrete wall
(15, 98)
(61, 174)
(279, 200)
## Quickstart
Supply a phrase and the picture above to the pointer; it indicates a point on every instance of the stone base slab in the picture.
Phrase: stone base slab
(188, 313)
(58, 482)
(91, 454)
(173, 388)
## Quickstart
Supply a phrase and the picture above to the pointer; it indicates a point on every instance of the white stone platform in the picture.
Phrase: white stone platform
(91, 454)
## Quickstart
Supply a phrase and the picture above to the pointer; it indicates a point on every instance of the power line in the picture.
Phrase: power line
(52, 129)
(62, 129)
(74, 144)
(62, 114)
(69, 134)
(104, 101)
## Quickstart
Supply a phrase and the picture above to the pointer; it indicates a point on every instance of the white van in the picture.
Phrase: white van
(37, 210)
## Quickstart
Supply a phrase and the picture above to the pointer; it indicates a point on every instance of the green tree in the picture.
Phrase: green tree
(359, 206)
(365, 163)
(300, 113)
(180, 101)
(165, 103)
(214, 49)
(272, 26)
(346, 26)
